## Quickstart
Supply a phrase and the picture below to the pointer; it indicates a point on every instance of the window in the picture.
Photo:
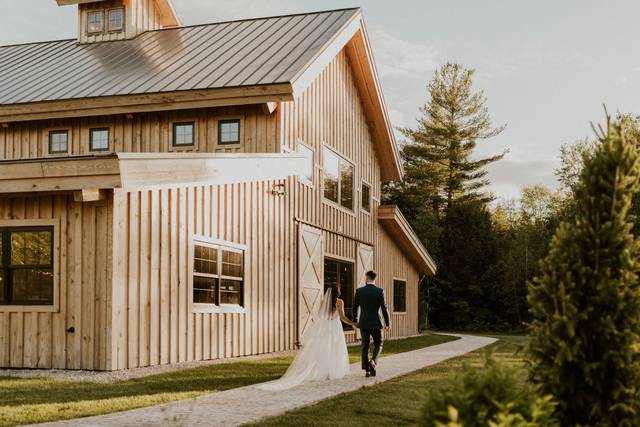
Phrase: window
(338, 179)
(218, 274)
(95, 22)
(58, 141)
(399, 296)
(116, 19)
(183, 134)
(339, 275)
(26, 266)
(229, 132)
(366, 197)
(308, 154)
(99, 139)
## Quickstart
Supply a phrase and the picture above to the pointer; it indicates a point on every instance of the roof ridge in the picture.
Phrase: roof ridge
(286, 15)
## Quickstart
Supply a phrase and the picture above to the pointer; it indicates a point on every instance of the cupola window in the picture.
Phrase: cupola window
(95, 22)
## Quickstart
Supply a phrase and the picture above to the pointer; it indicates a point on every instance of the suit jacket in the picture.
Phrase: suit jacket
(370, 300)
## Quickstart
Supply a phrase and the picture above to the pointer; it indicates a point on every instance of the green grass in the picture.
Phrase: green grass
(33, 400)
(398, 401)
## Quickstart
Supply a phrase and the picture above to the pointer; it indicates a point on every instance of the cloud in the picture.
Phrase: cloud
(399, 58)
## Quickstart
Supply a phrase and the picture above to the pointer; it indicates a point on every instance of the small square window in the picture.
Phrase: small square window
(95, 22)
(116, 19)
(183, 134)
(366, 197)
(99, 139)
(229, 132)
(58, 141)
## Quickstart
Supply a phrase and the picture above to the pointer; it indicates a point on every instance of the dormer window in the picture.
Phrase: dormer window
(95, 22)
(116, 19)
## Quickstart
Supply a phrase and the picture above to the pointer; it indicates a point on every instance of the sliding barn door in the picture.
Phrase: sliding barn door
(364, 263)
(310, 276)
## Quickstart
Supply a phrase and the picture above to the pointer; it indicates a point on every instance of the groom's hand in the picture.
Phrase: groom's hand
(387, 328)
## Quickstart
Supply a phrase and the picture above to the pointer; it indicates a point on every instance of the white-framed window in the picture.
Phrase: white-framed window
(184, 134)
(95, 22)
(308, 154)
(115, 19)
(338, 179)
(218, 274)
(58, 141)
(99, 139)
(365, 196)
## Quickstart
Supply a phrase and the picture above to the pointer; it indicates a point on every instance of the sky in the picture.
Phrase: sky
(547, 67)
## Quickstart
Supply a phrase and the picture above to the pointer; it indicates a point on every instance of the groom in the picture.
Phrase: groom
(370, 299)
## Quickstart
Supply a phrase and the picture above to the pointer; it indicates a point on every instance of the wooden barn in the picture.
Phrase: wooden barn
(174, 193)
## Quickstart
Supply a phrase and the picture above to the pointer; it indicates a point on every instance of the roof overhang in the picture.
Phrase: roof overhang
(123, 104)
(354, 39)
(403, 235)
(144, 170)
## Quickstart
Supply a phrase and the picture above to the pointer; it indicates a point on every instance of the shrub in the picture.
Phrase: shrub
(494, 395)
(585, 303)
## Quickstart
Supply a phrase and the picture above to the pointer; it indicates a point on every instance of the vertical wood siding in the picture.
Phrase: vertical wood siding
(152, 273)
(329, 112)
(40, 340)
(145, 132)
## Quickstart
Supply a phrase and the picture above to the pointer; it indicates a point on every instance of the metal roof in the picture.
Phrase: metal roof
(226, 54)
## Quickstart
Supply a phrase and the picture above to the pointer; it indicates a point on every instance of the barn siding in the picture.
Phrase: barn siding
(143, 132)
(40, 340)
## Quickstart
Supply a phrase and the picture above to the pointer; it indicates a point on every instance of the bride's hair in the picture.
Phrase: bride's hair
(335, 294)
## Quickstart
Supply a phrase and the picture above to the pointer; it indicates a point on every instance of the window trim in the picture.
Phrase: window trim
(221, 121)
(101, 31)
(99, 128)
(364, 183)
(329, 202)
(108, 19)
(393, 294)
(55, 306)
(58, 131)
(304, 180)
(175, 146)
(219, 308)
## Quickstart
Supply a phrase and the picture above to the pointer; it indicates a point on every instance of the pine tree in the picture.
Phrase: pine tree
(586, 301)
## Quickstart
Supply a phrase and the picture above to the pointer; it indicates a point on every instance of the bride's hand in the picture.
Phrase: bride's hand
(354, 326)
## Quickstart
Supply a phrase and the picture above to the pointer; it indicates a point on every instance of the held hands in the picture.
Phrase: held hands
(387, 328)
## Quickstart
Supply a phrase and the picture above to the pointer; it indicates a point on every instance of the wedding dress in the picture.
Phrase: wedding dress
(324, 354)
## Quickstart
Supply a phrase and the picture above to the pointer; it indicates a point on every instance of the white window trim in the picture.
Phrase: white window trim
(55, 307)
(393, 291)
(101, 12)
(108, 20)
(304, 180)
(212, 308)
(329, 202)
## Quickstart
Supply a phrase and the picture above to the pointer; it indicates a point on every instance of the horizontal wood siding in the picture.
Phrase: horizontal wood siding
(152, 280)
(40, 340)
(145, 132)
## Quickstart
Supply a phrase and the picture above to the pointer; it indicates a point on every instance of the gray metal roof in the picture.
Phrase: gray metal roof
(226, 54)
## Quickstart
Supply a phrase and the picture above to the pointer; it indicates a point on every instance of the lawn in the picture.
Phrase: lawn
(24, 401)
(398, 401)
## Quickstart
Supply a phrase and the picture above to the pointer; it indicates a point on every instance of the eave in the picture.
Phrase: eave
(162, 101)
(144, 170)
(403, 235)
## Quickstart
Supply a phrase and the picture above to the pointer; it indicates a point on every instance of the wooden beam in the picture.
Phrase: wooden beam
(178, 100)
(89, 195)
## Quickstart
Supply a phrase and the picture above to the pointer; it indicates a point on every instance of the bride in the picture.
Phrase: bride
(324, 355)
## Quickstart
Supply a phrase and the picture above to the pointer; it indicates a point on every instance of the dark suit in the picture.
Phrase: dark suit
(370, 300)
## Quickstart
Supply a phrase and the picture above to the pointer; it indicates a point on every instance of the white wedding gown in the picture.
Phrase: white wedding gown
(324, 355)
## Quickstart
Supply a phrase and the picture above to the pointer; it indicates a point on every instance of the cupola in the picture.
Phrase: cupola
(121, 19)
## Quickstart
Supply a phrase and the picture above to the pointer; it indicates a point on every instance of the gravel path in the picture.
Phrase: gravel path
(249, 404)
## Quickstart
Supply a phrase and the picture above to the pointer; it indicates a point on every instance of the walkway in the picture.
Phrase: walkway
(250, 404)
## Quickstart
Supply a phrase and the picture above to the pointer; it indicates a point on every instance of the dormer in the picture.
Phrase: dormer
(121, 19)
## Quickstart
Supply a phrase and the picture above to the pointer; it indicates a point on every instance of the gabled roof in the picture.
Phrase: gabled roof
(228, 54)
(401, 232)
